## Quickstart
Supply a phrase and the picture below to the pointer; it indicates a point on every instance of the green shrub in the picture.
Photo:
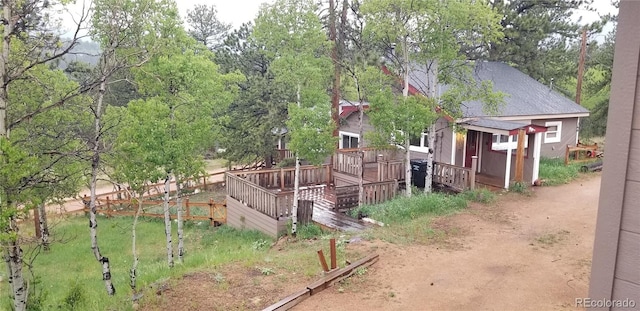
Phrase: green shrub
(309, 231)
(554, 172)
(482, 195)
(403, 209)
(75, 298)
(519, 187)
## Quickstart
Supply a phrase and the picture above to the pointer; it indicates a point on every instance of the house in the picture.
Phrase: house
(615, 273)
(550, 120)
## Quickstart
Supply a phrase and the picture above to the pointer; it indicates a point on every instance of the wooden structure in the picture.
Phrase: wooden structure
(263, 199)
(323, 283)
(581, 153)
(216, 212)
(454, 177)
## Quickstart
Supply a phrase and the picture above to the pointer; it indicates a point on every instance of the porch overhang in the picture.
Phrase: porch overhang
(501, 127)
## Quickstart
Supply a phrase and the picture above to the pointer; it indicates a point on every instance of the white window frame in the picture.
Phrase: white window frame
(503, 146)
(342, 134)
(424, 148)
(558, 138)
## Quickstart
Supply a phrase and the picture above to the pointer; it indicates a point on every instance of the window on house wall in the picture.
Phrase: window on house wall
(553, 133)
(421, 140)
(501, 143)
(348, 141)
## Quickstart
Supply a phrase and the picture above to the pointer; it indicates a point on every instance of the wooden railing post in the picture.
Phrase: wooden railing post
(211, 211)
(281, 178)
(108, 207)
(186, 203)
(474, 167)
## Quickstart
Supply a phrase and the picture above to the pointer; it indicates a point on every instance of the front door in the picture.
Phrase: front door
(471, 147)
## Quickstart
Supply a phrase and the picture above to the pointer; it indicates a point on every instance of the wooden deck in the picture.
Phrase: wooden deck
(323, 213)
(492, 183)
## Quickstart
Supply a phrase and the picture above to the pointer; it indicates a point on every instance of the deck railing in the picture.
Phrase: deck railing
(283, 178)
(347, 162)
(283, 154)
(252, 195)
(390, 170)
(374, 193)
(456, 177)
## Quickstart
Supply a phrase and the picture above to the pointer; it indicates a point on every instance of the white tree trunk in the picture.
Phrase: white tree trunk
(360, 154)
(95, 163)
(167, 220)
(13, 258)
(44, 226)
(428, 178)
(180, 222)
(432, 80)
(133, 273)
(407, 165)
(296, 197)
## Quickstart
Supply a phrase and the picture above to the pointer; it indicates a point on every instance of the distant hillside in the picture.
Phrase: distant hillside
(85, 51)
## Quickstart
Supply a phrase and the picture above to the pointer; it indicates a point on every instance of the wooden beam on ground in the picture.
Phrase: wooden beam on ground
(520, 156)
(325, 282)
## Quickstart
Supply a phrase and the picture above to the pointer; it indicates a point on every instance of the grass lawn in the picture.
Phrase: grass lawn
(554, 172)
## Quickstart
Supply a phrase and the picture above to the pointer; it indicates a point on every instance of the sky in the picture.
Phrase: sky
(237, 12)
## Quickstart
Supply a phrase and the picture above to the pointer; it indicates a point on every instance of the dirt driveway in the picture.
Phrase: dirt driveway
(523, 253)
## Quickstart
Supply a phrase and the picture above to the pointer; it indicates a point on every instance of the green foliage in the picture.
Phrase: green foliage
(75, 298)
(554, 172)
(479, 195)
(403, 209)
(292, 35)
(519, 187)
(309, 231)
(205, 26)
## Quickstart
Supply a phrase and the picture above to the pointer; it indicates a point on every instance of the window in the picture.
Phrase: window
(348, 140)
(421, 140)
(553, 133)
(501, 142)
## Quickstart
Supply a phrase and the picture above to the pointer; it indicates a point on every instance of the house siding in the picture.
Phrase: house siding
(567, 137)
(351, 124)
(442, 149)
(242, 217)
(615, 266)
(493, 163)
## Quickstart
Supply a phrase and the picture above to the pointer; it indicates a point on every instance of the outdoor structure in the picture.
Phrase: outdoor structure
(615, 270)
(549, 119)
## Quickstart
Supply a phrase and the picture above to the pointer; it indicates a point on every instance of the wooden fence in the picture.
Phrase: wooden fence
(216, 211)
(372, 155)
(374, 193)
(283, 154)
(347, 162)
(456, 177)
(390, 170)
(283, 178)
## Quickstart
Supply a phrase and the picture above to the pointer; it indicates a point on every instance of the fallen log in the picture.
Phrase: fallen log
(323, 283)
(592, 167)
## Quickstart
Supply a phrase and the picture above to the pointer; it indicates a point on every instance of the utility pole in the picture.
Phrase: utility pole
(583, 53)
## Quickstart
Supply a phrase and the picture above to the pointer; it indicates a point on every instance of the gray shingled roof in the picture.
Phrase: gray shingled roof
(524, 96)
(497, 124)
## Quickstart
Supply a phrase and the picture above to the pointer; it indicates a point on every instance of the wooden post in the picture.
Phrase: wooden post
(36, 221)
(323, 261)
(566, 156)
(108, 207)
(281, 179)
(204, 183)
(332, 249)
(520, 156)
(211, 211)
(186, 203)
(474, 168)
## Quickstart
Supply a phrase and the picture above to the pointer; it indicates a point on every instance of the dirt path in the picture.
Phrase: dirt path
(524, 253)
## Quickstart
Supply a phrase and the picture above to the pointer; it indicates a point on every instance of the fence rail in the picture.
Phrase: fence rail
(283, 178)
(216, 211)
(348, 163)
(391, 170)
(456, 177)
(373, 193)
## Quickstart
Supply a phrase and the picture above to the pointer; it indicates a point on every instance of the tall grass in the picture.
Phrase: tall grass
(404, 209)
(554, 172)
(70, 264)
